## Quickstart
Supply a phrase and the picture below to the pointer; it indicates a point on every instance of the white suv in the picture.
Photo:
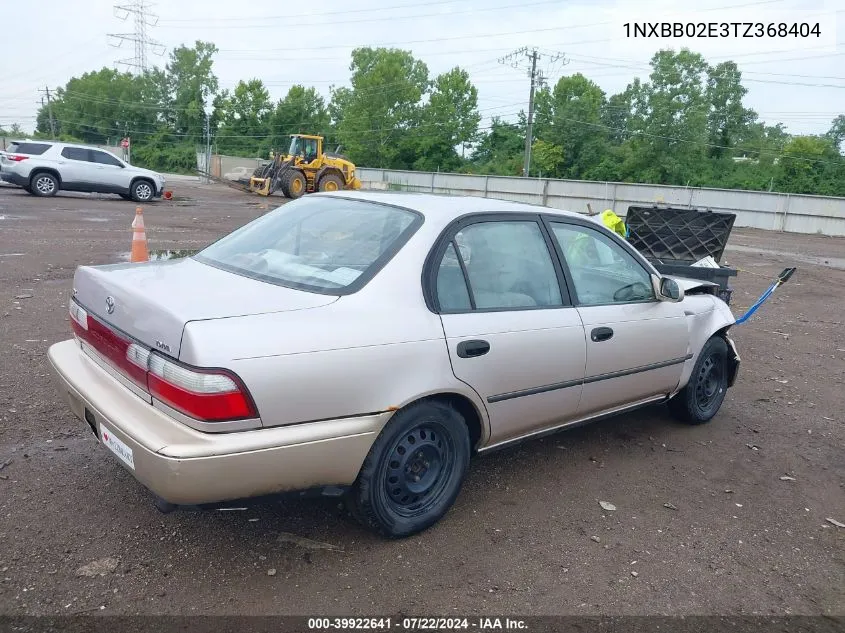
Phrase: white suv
(43, 168)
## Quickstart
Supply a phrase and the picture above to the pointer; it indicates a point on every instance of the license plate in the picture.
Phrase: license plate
(123, 452)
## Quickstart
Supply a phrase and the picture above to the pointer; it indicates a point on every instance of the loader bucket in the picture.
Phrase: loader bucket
(261, 186)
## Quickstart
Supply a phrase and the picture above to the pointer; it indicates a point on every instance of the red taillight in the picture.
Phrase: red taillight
(16, 157)
(129, 358)
(207, 395)
(204, 394)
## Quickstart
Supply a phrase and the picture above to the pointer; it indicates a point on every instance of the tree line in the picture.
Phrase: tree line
(685, 125)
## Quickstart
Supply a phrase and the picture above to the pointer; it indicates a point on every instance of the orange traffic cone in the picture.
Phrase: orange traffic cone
(140, 252)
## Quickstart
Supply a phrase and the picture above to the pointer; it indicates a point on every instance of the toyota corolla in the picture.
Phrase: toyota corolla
(368, 344)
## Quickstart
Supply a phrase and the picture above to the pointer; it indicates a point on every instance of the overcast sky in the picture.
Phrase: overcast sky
(798, 81)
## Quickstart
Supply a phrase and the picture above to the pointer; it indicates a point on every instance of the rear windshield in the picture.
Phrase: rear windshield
(322, 244)
(33, 149)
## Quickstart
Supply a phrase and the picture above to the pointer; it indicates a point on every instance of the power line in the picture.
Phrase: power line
(263, 23)
(142, 19)
(311, 13)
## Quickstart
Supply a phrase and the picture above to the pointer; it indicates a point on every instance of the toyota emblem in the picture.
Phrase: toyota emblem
(109, 304)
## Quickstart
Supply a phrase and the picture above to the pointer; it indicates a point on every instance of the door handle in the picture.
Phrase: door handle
(471, 349)
(600, 334)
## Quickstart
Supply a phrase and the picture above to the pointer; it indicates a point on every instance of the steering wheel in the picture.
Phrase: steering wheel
(632, 292)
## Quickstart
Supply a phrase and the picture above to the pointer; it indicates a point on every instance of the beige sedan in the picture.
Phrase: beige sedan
(367, 344)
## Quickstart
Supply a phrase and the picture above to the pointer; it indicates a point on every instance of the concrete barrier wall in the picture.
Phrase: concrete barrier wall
(757, 209)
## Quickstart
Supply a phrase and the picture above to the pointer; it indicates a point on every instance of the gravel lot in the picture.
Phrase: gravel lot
(527, 535)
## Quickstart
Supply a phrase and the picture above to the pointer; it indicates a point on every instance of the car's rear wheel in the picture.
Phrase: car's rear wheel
(414, 470)
(44, 184)
(703, 395)
(142, 191)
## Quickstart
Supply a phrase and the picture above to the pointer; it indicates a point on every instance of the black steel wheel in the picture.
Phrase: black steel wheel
(414, 470)
(703, 395)
(418, 469)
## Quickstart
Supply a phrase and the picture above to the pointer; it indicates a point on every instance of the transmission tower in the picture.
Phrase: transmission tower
(142, 18)
(529, 58)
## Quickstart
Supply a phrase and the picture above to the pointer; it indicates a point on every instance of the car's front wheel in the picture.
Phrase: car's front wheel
(701, 399)
(142, 191)
(414, 470)
(44, 184)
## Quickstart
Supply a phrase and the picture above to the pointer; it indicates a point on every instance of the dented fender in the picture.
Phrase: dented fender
(706, 315)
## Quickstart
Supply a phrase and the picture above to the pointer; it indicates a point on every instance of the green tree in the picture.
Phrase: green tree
(571, 119)
(836, 133)
(245, 119)
(450, 119)
(302, 111)
(192, 85)
(101, 107)
(669, 122)
(500, 150)
(728, 120)
(375, 116)
(548, 158)
(810, 164)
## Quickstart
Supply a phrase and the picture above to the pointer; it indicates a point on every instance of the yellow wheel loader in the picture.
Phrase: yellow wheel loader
(304, 169)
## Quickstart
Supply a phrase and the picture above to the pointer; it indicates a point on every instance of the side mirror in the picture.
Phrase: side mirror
(667, 289)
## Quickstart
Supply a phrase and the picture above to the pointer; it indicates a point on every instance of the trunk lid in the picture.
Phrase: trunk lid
(152, 302)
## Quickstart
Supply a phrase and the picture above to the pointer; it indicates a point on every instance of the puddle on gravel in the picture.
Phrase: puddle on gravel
(160, 255)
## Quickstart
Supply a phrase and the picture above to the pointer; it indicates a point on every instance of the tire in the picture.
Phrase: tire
(413, 472)
(330, 182)
(293, 184)
(701, 399)
(142, 190)
(44, 184)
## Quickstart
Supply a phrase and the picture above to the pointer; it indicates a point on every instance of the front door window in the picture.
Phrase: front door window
(602, 271)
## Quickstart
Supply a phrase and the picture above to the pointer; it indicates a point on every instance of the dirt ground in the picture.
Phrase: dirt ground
(737, 539)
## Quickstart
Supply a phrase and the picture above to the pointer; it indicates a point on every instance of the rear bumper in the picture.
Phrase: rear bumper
(14, 178)
(187, 467)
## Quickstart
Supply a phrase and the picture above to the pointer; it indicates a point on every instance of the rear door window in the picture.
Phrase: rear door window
(76, 153)
(104, 158)
(33, 149)
(508, 266)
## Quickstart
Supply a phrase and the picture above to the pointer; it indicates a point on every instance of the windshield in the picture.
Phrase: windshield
(294, 146)
(329, 245)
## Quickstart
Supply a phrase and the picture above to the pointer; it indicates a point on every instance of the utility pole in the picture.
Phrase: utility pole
(528, 133)
(49, 110)
(537, 79)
